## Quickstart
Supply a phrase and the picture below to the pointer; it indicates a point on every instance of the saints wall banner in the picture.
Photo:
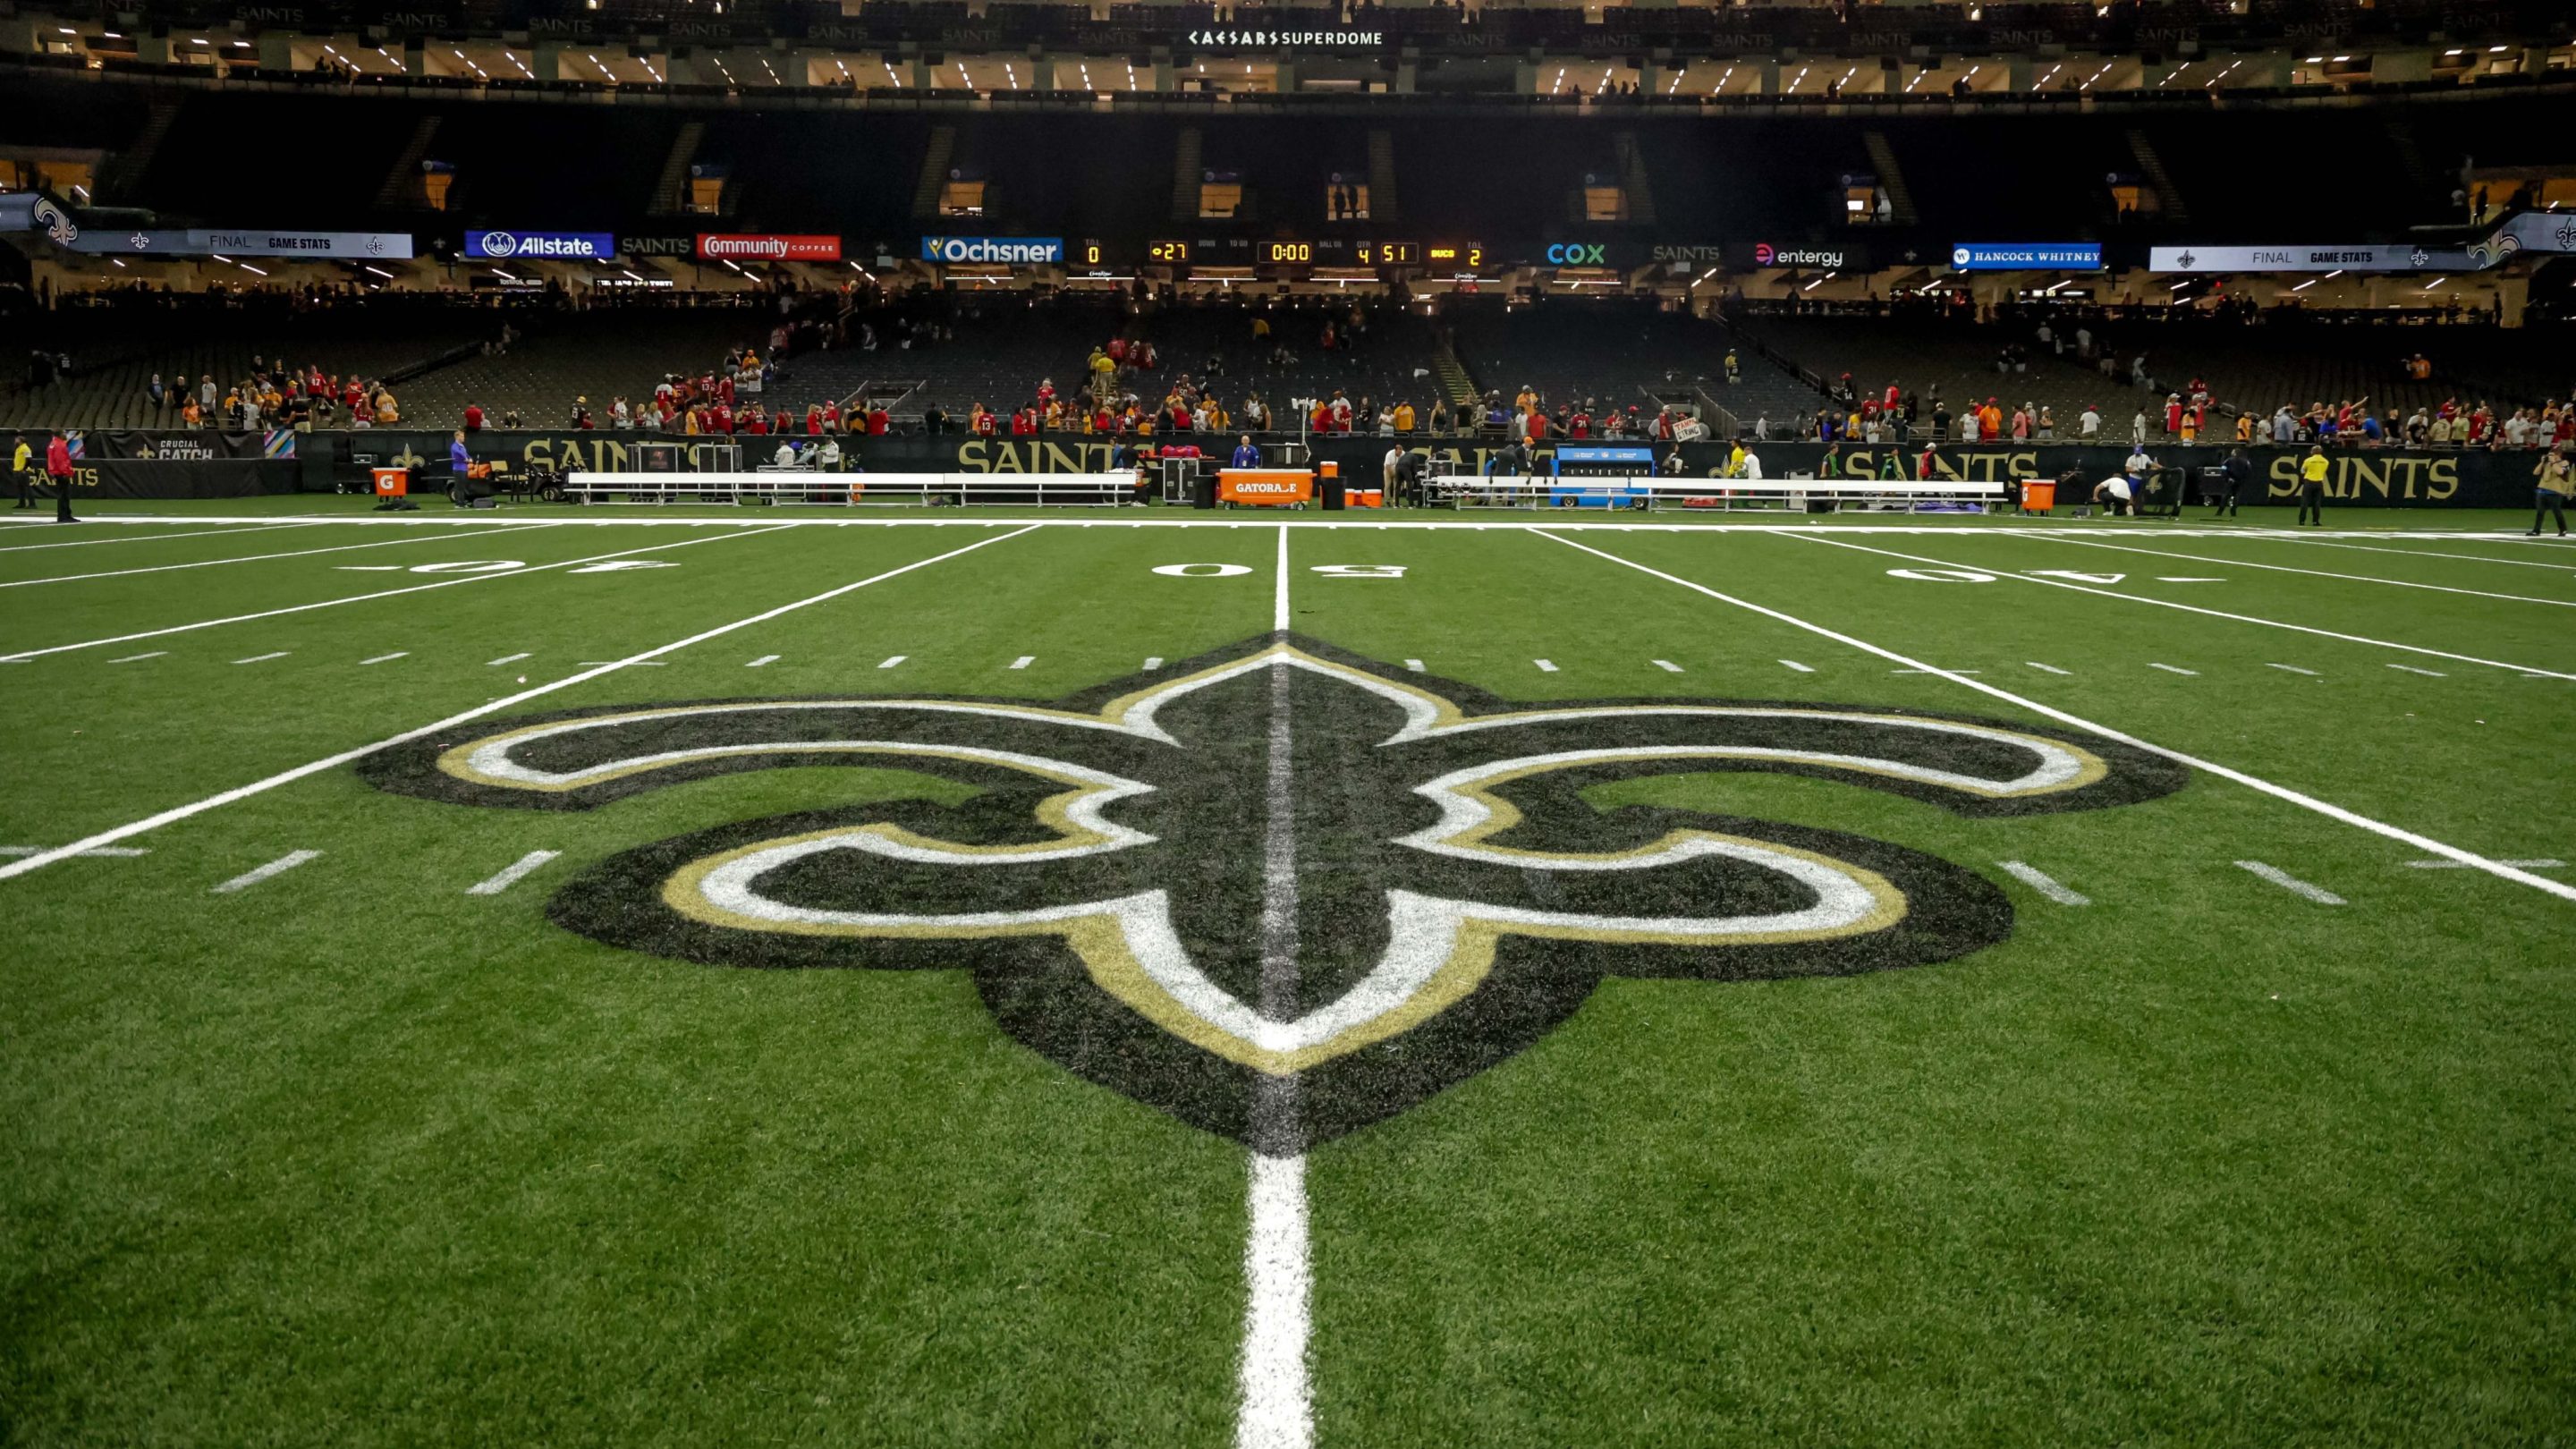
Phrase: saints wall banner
(112, 477)
(2375, 477)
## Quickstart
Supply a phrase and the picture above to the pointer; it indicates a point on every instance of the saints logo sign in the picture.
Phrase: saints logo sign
(1281, 892)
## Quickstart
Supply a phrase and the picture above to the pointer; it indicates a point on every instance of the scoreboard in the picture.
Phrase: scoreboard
(1435, 256)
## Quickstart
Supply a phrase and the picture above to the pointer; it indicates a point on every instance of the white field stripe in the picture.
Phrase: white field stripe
(2046, 668)
(1153, 661)
(1279, 592)
(2542, 863)
(387, 658)
(242, 882)
(264, 557)
(1792, 663)
(2294, 669)
(124, 850)
(2193, 609)
(263, 658)
(1545, 666)
(1414, 664)
(763, 661)
(1666, 665)
(644, 664)
(1278, 1279)
(2312, 573)
(390, 593)
(512, 874)
(132, 658)
(332, 762)
(507, 659)
(2516, 563)
(2040, 881)
(1936, 671)
(1023, 662)
(2425, 843)
(893, 660)
(2173, 669)
(2293, 884)
(157, 537)
(2411, 669)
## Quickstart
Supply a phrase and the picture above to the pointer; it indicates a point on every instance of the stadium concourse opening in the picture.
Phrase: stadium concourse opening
(1288, 726)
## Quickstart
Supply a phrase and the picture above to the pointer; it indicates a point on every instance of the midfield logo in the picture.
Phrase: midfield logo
(1280, 892)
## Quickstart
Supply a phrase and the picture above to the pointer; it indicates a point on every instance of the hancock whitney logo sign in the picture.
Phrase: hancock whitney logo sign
(1279, 892)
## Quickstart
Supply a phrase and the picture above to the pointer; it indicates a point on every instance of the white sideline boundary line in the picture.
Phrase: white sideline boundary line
(2312, 573)
(2291, 883)
(2045, 884)
(125, 852)
(512, 873)
(150, 823)
(380, 594)
(2029, 578)
(248, 878)
(2425, 843)
(256, 557)
(268, 526)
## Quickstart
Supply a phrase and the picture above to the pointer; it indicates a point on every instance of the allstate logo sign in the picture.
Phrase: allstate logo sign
(501, 246)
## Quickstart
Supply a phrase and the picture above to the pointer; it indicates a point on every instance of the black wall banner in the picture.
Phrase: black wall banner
(2365, 477)
(97, 477)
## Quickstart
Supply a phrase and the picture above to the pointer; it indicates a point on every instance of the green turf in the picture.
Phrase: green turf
(353, 1157)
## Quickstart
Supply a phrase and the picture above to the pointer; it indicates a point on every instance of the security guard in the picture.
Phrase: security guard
(20, 457)
(2312, 486)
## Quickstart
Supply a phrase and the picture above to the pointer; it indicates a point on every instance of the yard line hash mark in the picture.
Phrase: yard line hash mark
(2543, 863)
(217, 801)
(1414, 664)
(247, 879)
(388, 658)
(1545, 666)
(2173, 669)
(1933, 671)
(508, 659)
(1153, 661)
(640, 663)
(2045, 668)
(512, 874)
(1668, 666)
(2256, 783)
(262, 658)
(2043, 883)
(136, 658)
(2294, 669)
(894, 659)
(1801, 668)
(765, 659)
(2427, 673)
(2291, 883)
(1023, 662)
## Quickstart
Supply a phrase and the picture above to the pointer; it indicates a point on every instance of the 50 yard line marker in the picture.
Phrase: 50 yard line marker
(2469, 858)
(332, 762)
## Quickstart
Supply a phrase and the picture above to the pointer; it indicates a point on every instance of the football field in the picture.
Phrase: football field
(1192, 979)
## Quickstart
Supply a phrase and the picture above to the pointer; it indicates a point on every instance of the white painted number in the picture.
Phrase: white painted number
(1202, 571)
(485, 566)
(1361, 571)
(1943, 576)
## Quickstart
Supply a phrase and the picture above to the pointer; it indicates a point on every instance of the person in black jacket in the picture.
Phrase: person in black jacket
(2240, 476)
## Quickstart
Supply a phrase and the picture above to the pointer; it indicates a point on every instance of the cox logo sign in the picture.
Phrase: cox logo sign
(1578, 254)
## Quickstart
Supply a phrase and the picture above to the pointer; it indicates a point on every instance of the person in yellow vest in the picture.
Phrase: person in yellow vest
(21, 467)
(2556, 483)
(2312, 486)
(1735, 461)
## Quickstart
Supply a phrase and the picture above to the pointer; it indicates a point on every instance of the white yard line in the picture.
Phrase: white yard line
(1279, 591)
(2046, 668)
(2041, 882)
(2425, 843)
(120, 851)
(157, 537)
(2293, 884)
(2540, 863)
(2027, 578)
(259, 557)
(242, 882)
(388, 658)
(512, 873)
(385, 594)
(332, 762)
(2312, 573)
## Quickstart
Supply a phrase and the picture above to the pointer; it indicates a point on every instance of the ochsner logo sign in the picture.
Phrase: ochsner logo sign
(1022, 250)
(770, 248)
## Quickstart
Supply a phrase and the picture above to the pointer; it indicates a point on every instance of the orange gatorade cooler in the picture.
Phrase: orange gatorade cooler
(2038, 497)
(393, 482)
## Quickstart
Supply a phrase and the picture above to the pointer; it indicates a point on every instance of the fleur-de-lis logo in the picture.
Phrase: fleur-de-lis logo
(1281, 892)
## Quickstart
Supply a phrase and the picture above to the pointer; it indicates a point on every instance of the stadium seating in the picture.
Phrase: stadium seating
(1618, 352)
